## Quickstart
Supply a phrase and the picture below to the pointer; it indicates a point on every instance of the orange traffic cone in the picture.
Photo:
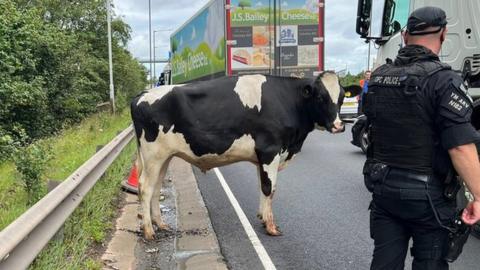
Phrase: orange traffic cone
(131, 184)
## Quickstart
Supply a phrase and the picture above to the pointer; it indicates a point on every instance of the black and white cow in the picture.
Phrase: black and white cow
(256, 118)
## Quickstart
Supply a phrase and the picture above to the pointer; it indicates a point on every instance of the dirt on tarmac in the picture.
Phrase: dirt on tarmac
(191, 243)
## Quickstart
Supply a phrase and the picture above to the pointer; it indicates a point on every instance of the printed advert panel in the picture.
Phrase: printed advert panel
(199, 46)
(256, 50)
(260, 12)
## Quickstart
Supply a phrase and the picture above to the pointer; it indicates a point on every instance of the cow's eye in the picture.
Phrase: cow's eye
(320, 98)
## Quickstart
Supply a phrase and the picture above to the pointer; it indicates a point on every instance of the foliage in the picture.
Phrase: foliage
(350, 79)
(89, 223)
(69, 149)
(245, 3)
(31, 164)
(54, 67)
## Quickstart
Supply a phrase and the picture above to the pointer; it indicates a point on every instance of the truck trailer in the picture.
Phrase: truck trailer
(235, 37)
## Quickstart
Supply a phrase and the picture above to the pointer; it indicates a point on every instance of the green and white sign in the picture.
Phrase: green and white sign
(260, 12)
(198, 47)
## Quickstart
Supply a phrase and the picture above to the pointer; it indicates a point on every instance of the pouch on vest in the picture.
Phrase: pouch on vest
(374, 172)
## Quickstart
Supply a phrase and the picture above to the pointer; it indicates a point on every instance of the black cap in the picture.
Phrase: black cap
(426, 17)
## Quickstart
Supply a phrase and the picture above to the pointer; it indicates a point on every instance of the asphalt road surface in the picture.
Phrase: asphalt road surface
(320, 205)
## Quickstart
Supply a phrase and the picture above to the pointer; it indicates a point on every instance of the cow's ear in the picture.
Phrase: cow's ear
(307, 91)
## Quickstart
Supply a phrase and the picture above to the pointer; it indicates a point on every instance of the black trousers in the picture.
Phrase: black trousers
(400, 211)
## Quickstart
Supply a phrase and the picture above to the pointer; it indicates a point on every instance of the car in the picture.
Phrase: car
(360, 133)
(349, 109)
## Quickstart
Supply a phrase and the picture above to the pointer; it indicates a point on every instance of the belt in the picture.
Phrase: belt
(425, 178)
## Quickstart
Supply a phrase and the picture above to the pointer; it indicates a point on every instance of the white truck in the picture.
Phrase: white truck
(381, 21)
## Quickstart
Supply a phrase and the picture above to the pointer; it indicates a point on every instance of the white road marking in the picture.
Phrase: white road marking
(257, 245)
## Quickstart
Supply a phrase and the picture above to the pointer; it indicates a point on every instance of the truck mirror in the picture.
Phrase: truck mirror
(396, 26)
(363, 17)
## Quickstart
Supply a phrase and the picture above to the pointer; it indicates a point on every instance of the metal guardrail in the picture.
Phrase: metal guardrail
(24, 238)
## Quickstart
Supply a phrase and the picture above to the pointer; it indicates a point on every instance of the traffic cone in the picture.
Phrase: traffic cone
(131, 184)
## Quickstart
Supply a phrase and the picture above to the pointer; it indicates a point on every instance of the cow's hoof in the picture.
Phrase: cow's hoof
(274, 231)
(149, 236)
(148, 233)
(164, 227)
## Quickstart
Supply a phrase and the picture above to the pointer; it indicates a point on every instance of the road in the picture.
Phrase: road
(320, 206)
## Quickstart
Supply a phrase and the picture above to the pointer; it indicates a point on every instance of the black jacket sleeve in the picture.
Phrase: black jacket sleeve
(453, 110)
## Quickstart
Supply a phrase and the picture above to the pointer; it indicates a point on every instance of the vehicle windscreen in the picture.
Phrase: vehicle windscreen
(395, 16)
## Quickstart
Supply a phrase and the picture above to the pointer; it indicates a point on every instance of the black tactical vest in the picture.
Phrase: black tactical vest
(402, 133)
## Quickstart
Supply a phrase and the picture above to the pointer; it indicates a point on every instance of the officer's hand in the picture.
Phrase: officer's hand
(471, 213)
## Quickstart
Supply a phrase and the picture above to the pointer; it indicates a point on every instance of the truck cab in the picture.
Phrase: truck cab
(382, 22)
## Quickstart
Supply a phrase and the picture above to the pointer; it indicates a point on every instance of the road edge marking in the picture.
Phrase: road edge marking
(252, 236)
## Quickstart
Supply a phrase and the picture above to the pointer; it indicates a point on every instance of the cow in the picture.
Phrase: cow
(257, 118)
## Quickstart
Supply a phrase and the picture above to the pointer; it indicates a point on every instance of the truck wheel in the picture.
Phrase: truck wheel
(363, 139)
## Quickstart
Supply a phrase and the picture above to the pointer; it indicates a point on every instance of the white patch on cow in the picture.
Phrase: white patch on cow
(283, 160)
(330, 81)
(337, 121)
(174, 144)
(249, 89)
(155, 94)
(278, 163)
(272, 168)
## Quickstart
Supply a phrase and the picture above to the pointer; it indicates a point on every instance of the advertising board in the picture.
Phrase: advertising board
(198, 47)
(282, 42)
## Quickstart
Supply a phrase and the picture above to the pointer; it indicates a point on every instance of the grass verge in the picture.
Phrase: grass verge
(90, 222)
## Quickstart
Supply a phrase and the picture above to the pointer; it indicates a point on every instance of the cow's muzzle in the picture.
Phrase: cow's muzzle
(338, 127)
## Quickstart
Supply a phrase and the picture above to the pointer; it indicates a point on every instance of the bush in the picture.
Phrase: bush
(31, 163)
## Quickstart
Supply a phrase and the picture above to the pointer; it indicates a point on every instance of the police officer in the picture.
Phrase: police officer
(419, 115)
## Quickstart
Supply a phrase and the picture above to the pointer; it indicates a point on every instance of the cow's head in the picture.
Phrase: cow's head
(325, 97)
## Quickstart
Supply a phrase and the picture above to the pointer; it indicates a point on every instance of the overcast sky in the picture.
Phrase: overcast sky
(344, 48)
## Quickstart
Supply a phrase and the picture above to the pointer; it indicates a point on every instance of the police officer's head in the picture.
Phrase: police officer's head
(427, 26)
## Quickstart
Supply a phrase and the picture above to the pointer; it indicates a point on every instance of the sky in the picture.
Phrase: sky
(343, 47)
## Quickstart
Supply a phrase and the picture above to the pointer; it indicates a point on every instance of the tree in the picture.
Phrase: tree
(54, 66)
(244, 3)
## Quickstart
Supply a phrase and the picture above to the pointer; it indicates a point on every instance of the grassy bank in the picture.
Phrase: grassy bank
(90, 222)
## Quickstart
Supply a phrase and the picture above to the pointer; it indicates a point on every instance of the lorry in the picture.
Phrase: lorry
(235, 37)
(381, 22)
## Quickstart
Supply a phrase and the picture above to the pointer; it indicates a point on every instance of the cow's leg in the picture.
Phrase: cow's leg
(148, 178)
(268, 180)
(261, 205)
(156, 212)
